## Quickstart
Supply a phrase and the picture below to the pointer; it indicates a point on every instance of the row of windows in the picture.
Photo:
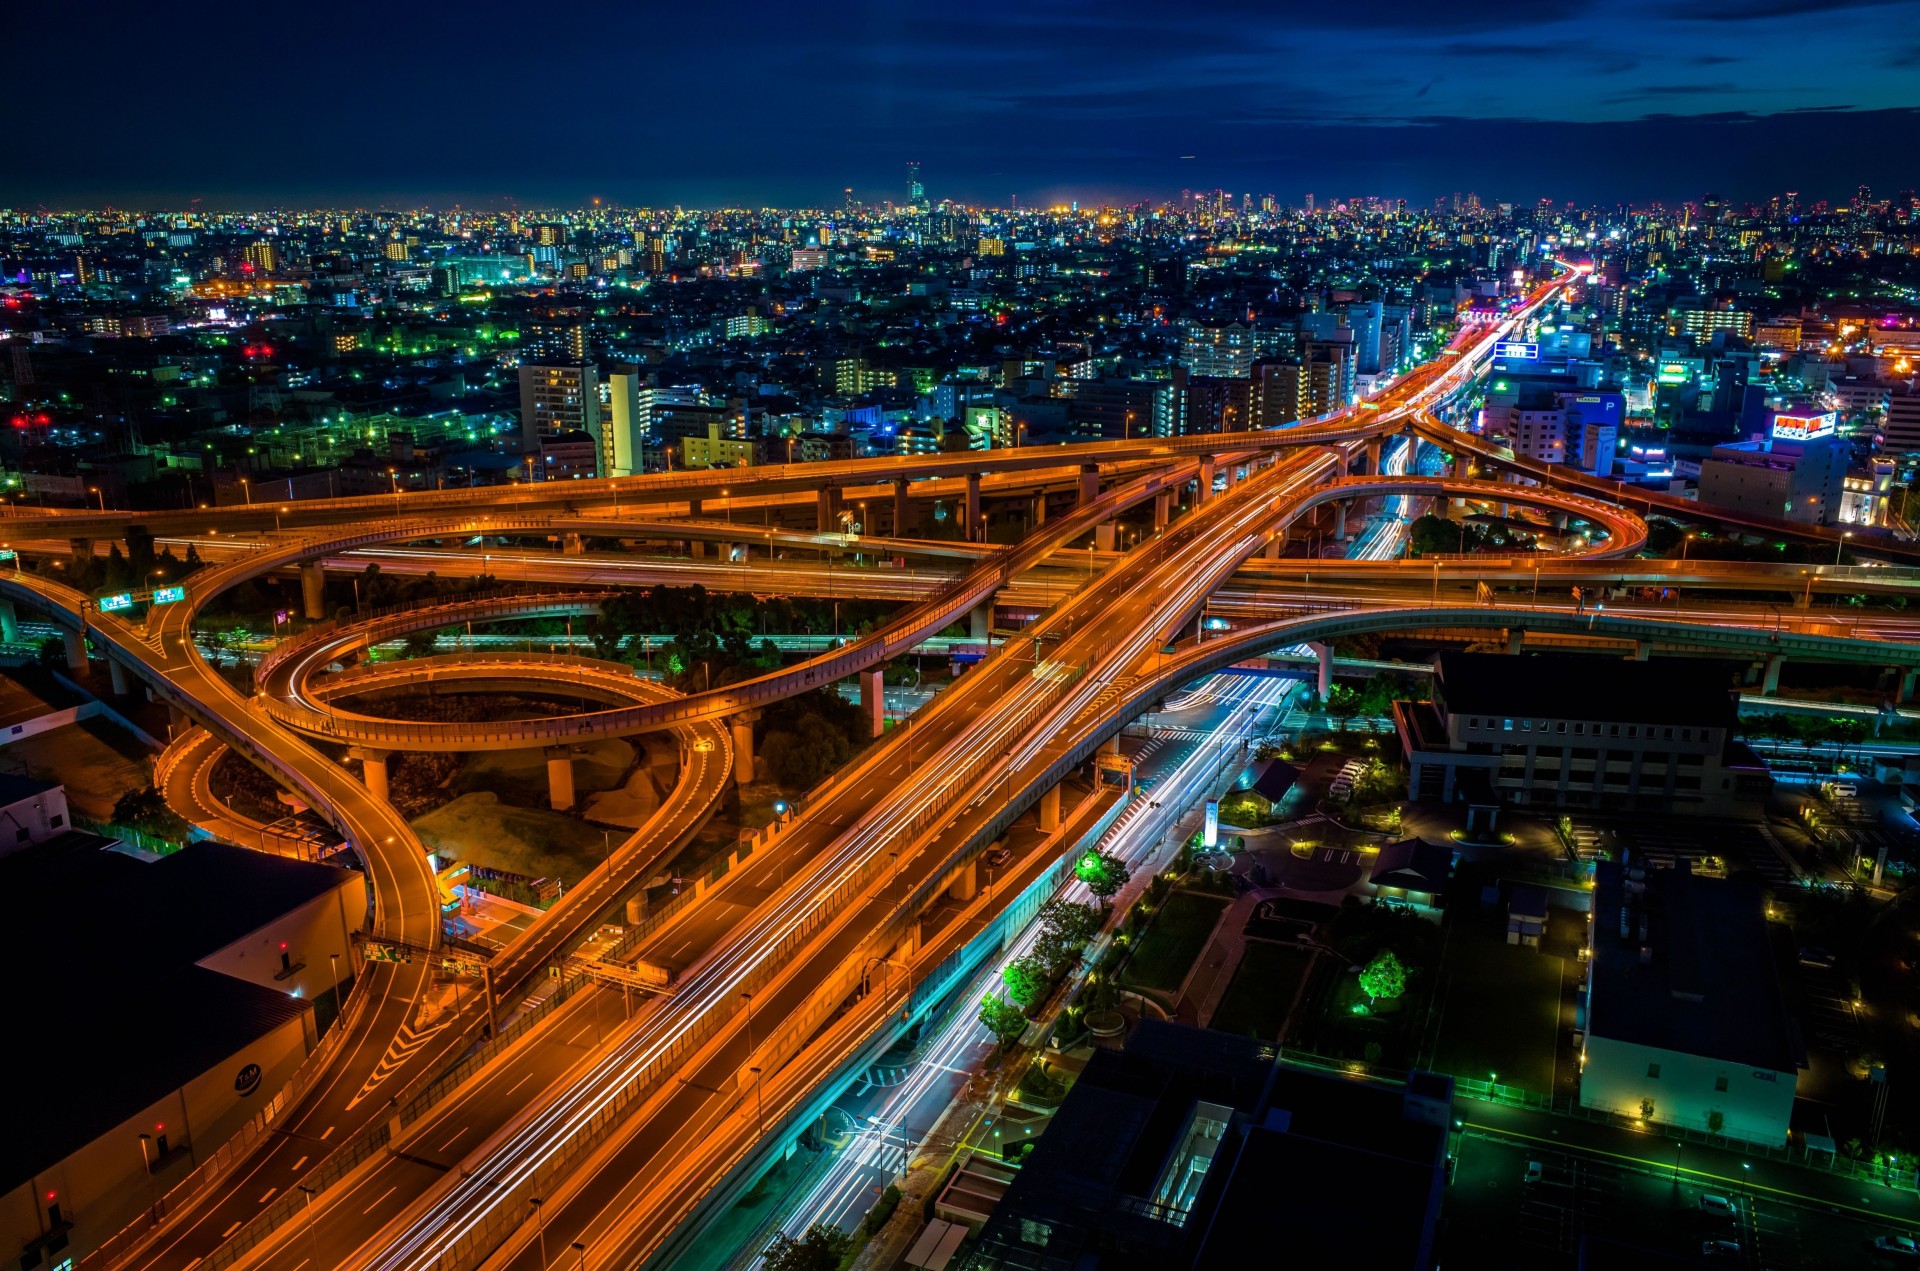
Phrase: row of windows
(1585, 729)
(1553, 754)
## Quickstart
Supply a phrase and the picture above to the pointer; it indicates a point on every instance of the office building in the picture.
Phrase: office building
(1797, 472)
(1901, 432)
(1571, 730)
(717, 450)
(1196, 1149)
(1685, 1022)
(1221, 350)
(623, 437)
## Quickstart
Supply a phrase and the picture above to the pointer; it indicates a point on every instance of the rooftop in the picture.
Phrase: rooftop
(101, 950)
(1579, 686)
(1707, 985)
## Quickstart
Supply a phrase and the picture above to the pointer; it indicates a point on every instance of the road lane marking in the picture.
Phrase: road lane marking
(326, 1133)
(456, 1135)
(267, 1197)
(297, 1164)
(229, 1231)
(382, 1196)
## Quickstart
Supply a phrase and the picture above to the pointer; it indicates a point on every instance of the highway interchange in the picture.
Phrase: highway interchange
(618, 1140)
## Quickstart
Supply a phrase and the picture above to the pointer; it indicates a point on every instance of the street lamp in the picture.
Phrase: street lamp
(1837, 547)
(540, 1213)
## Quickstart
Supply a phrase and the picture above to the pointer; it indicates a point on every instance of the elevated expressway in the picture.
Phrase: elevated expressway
(405, 908)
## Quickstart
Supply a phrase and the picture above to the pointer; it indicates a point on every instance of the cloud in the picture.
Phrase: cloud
(1761, 10)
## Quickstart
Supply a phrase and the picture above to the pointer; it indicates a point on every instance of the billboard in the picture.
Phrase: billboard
(168, 595)
(1521, 349)
(1210, 837)
(1803, 427)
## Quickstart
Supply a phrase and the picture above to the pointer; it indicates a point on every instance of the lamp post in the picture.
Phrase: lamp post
(749, 1001)
(759, 1112)
(1837, 547)
(539, 1213)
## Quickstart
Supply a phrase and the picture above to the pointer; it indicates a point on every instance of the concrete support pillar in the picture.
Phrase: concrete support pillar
(313, 589)
(9, 622)
(980, 622)
(1642, 650)
(1111, 746)
(1324, 653)
(976, 528)
(697, 549)
(742, 725)
(1340, 519)
(178, 720)
(1050, 810)
(1089, 483)
(1909, 680)
(1206, 479)
(1516, 640)
(1038, 516)
(76, 650)
(966, 882)
(1770, 680)
(1274, 544)
(117, 676)
(1162, 509)
(560, 778)
(1103, 536)
(373, 770)
(572, 545)
(1559, 521)
(901, 507)
(82, 549)
(826, 509)
(873, 701)
(1373, 457)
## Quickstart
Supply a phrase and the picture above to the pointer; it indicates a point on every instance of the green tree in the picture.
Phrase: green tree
(1026, 980)
(1065, 928)
(820, 1248)
(1002, 1018)
(1103, 874)
(1384, 977)
(147, 811)
(1343, 703)
(801, 757)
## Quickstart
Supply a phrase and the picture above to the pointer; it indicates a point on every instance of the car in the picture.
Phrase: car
(1719, 1248)
(1719, 1207)
(1898, 1246)
(1817, 957)
(997, 857)
(1534, 1172)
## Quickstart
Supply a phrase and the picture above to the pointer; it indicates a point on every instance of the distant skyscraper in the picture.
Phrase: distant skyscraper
(1309, 200)
(847, 199)
(916, 193)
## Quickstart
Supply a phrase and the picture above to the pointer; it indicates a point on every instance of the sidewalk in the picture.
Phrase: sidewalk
(1699, 1162)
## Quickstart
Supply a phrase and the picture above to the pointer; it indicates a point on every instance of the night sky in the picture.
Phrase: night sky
(553, 102)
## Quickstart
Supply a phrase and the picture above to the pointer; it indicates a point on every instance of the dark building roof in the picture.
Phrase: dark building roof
(1282, 1176)
(15, 789)
(1707, 984)
(99, 957)
(1414, 864)
(1578, 686)
(1276, 777)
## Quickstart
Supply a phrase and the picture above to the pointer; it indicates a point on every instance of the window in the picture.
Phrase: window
(1613, 730)
(1653, 1070)
(1526, 725)
(1686, 734)
(1506, 725)
(1560, 726)
(1720, 1085)
(1474, 722)
(1580, 729)
(56, 820)
(1633, 730)
(1667, 736)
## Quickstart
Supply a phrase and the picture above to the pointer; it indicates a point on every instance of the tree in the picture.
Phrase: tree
(805, 755)
(1102, 873)
(1065, 928)
(820, 1248)
(1384, 977)
(147, 811)
(1343, 703)
(1002, 1018)
(1026, 979)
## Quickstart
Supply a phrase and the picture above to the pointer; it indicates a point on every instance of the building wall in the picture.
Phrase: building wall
(34, 819)
(311, 934)
(104, 1185)
(1757, 1103)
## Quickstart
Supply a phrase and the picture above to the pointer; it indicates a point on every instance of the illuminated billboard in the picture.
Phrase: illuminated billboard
(168, 595)
(116, 602)
(1521, 349)
(1803, 427)
(1675, 373)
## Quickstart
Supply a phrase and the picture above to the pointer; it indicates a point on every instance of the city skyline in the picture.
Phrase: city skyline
(1049, 103)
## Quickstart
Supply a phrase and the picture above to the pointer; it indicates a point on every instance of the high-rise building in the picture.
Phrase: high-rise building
(1902, 430)
(916, 193)
(1220, 349)
(556, 400)
(624, 432)
(558, 341)
(264, 257)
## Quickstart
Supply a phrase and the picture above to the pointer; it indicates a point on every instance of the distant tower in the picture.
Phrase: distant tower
(1309, 201)
(916, 193)
(847, 199)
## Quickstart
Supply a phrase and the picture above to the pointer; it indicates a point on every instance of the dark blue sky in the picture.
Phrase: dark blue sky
(556, 101)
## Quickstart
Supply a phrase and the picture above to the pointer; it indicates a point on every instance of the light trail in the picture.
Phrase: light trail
(1134, 838)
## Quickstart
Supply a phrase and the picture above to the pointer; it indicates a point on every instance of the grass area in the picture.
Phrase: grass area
(1262, 989)
(537, 842)
(1501, 1012)
(1173, 940)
